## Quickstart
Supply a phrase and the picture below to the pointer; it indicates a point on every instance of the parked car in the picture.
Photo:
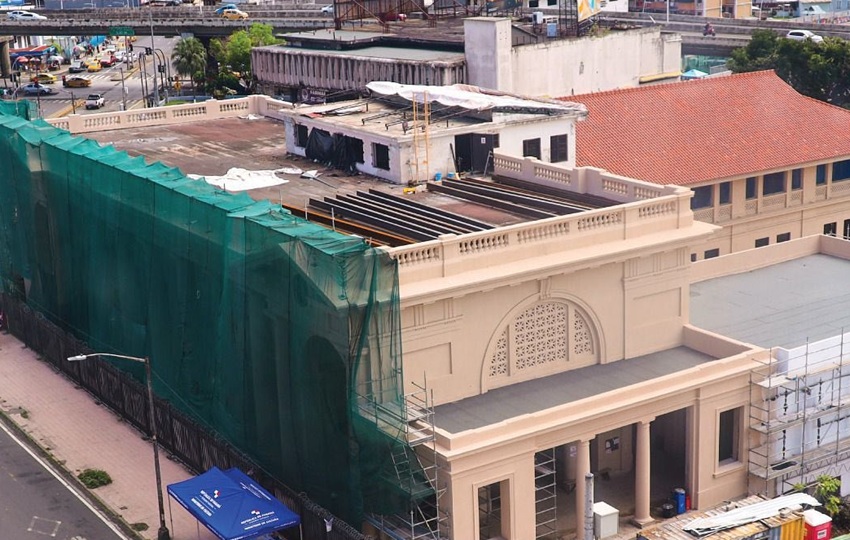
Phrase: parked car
(94, 101)
(34, 89)
(75, 82)
(328, 9)
(77, 66)
(222, 7)
(803, 35)
(94, 65)
(43, 78)
(20, 15)
(234, 15)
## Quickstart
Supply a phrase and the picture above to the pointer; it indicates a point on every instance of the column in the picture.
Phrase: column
(642, 473)
(582, 469)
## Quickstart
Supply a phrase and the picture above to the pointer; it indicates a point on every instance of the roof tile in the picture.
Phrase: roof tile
(718, 127)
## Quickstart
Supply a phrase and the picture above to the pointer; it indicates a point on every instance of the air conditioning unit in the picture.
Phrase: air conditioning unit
(537, 17)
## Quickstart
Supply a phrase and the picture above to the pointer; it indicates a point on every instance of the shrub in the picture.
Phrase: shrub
(94, 478)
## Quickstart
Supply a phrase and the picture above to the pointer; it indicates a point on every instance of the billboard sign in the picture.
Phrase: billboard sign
(588, 8)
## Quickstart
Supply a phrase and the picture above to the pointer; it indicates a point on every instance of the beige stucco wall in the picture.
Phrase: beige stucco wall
(802, 212)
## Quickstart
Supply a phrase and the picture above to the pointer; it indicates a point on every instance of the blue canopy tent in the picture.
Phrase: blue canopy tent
(692, 74)
(232, 505)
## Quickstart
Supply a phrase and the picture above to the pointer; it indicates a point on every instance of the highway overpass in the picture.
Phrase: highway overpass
(174, 21)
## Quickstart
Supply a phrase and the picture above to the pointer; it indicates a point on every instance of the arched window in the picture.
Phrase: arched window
(549, 336)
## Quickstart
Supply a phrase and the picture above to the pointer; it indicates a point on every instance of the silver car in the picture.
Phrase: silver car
(803, 35)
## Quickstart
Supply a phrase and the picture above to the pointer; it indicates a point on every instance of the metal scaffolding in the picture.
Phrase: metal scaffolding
(799, 415)
(415, 470)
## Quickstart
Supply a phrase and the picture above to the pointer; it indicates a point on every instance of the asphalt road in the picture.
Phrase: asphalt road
(35, 503)
(107, 82)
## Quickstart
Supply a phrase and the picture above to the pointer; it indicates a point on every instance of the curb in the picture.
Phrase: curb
(69, 477)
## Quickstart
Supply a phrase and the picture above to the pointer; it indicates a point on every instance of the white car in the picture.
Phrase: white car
(25, 16)
(803, 35)
(94, 101)
(328, 9)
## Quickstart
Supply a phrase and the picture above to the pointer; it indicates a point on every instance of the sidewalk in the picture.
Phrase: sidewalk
(80, 434)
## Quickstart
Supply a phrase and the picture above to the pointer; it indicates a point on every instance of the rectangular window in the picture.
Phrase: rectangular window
(797, 179)
(728, 436)
(495, 140)
(751, 187)
(846, 229)
(841, 170)
(773, 183)
(725, 195)
(531, 148)
(381, 156)
(820, 178)
(712, 253)
(693, 257)
(784, 237)
(558, 148)
(830, 228)
(702, 197)
(300, 135)
(761, 242)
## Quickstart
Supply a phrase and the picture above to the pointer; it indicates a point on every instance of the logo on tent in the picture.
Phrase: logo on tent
(255, 512)
(216, 493)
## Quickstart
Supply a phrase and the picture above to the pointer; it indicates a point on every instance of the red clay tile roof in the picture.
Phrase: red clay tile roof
(719, 127)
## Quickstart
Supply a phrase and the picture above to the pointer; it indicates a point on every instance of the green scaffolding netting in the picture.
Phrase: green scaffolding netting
(262, 325)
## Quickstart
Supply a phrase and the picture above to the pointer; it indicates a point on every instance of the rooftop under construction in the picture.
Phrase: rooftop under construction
(384, 213)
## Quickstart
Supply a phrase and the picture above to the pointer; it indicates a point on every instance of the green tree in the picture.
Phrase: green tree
(233, 54)
(190, 58)
(826, 490)
(759, 54)
(817, 70)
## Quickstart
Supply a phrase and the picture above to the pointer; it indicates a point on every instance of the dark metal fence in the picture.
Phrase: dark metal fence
(184, 438)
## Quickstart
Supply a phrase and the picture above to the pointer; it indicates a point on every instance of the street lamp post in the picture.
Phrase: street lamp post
(163, 533)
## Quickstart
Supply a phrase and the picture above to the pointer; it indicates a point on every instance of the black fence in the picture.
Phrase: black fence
(184, 438)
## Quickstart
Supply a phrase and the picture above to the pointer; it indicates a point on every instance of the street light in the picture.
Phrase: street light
(163, 533)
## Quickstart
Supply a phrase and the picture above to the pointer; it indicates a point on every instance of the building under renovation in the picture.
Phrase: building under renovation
(446, 362)
(409, 134)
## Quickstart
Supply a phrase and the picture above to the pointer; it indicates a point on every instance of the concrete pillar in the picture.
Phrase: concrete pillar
(582, 468)
(5, 62)
(642, 473)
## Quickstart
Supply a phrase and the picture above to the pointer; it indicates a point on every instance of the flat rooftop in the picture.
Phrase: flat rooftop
(783, 305)
(212, 147)
(546, 392)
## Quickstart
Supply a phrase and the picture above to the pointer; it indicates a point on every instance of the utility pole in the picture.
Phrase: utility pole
(123, 88)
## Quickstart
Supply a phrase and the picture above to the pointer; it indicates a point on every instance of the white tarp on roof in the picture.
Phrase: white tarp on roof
(749, 514)
(238, 179)
(468, 97)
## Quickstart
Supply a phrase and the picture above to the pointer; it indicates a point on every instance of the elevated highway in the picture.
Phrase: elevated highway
(169, 22)
(731, 33)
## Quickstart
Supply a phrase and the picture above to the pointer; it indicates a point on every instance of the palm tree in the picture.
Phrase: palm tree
(189, 58)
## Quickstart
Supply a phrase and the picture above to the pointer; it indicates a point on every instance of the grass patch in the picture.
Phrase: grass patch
(94, 478)
(139, 527)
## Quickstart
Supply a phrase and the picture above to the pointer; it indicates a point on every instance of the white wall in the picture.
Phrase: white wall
(403, 158)
(571, 66)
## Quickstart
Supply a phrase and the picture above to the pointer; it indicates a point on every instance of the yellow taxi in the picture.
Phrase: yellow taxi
(234, 15)
(43, 78)
(94, 65)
